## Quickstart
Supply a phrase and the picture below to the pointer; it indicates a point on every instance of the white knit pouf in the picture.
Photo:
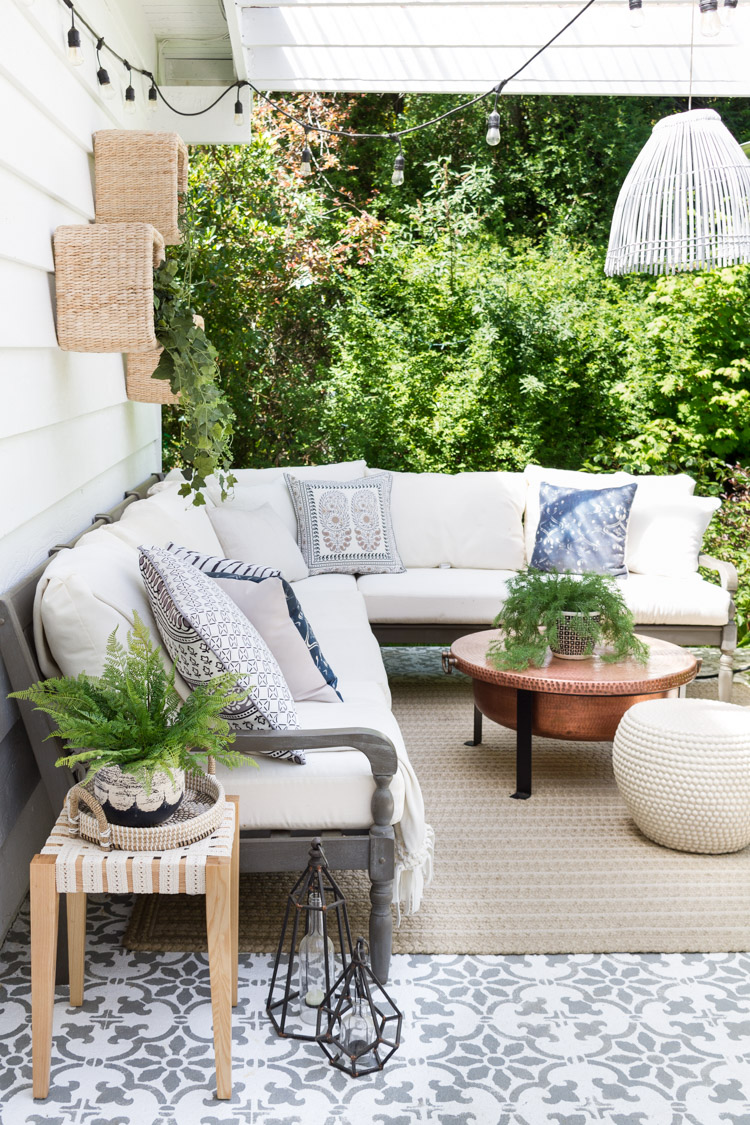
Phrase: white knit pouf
(683, 769)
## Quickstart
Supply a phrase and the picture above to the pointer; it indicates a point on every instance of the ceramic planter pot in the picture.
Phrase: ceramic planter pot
(125, 801)
(571, 646)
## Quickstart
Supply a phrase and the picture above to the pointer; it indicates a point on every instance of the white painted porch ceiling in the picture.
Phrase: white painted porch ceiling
(458, 46)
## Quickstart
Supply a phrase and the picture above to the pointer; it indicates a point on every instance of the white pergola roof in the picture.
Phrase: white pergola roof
(450, 46)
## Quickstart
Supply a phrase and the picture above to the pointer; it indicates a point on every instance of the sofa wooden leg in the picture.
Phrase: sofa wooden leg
(381, 928)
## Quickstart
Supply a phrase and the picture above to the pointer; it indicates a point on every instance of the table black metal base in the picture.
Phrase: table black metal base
(524, 710)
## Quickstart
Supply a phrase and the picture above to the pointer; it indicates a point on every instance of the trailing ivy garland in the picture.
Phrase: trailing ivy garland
(189, 362)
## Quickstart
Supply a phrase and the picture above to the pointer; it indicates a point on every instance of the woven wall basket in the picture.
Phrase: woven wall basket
(140, 385)
(140, 177)
(105, 286)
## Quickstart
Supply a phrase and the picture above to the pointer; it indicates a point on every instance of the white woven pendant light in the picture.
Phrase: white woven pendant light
(685, 204)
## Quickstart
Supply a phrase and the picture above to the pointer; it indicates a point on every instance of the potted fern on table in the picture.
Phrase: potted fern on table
(133, 733)
(571, 614)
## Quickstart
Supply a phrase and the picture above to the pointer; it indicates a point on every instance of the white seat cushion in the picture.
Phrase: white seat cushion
(469, 520)
(474, 597)
(337, 786)
(657, 600)
(339, 620)
(471, 597)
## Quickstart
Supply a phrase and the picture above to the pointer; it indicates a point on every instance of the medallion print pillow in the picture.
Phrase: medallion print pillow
(270, 604)
(344, 527)
(583, 530)
(206, 634)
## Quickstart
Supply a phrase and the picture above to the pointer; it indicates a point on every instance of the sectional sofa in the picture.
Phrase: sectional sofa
(460, 538)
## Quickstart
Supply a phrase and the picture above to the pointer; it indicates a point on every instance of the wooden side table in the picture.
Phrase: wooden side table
(71, 866)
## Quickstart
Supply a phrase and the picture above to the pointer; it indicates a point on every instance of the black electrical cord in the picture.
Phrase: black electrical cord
(496, 89)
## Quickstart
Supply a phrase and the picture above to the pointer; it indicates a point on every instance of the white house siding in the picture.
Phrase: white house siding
(70, 442)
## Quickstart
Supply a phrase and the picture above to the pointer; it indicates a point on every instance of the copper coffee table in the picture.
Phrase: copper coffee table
(569, 699)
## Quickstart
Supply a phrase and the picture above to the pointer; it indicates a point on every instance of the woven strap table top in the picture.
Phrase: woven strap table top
(81, 866)
(669, 666)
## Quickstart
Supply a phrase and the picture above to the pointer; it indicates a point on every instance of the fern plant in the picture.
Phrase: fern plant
(132, 717)
(534, 610)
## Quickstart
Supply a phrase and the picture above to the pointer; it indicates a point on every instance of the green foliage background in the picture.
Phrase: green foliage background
(463, 320)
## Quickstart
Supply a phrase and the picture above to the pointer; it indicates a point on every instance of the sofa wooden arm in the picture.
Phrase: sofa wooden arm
(727, 572)
(377, 748)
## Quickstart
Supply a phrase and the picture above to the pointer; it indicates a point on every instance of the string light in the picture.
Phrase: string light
(306, 156)
(106, 88)
(129, 91)
(727, 12)
(239, 113)
(710, 22)
(153, 97)
(635, 8)
(398, 164)
(493, 123)
(75, 54)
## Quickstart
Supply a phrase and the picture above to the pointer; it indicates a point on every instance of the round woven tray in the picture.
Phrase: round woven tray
(200, 813)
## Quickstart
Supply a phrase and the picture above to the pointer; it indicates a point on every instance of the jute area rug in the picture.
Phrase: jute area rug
(565, 872)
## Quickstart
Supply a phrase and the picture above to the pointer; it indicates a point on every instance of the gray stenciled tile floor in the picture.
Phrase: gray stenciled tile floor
(625, 1040)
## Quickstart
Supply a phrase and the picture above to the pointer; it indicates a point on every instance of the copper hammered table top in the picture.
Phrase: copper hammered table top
(668, 666)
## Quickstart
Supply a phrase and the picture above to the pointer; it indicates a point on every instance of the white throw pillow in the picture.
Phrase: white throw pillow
(270, 604)
(344, 527)
(665, 537)
(259, 533)
(468, 520)
(650, 489)
(206, 634)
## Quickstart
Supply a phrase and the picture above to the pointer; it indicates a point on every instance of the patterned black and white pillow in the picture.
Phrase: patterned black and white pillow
(270, 604)
(206, 634)
(344, 527)
(583, 530)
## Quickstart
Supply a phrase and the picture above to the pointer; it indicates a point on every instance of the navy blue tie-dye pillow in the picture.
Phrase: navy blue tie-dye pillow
(583, 529)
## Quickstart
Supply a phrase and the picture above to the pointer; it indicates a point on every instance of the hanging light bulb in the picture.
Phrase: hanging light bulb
(306, 156)
(727, 12)
(493, 124)
(398, 165)
(129, 92)
(153, 98)
(75, 54)
(635, 9)
(239, 113)
(710, 22)
(106, 89)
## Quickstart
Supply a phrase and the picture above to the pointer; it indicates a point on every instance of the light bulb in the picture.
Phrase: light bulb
(106, 89)
(635, 11)
(727, 12)
(305, 166)
(75, 54)
(239, 113)
(398, 170)
(710, 22)
(153, 101)
(493, 128)
(130, 100)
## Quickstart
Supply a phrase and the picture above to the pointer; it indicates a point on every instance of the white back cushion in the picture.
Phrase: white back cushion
(665, 536)
(467, 520)
(166, 517)
(651, 490)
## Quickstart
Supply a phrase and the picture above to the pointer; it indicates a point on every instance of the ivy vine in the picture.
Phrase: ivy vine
(189, 362)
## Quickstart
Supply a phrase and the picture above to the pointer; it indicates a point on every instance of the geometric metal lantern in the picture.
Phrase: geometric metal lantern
(360, 1025)
(307, 962)
(685, 203)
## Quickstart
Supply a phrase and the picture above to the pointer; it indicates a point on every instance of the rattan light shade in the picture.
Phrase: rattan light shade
(685, 204)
